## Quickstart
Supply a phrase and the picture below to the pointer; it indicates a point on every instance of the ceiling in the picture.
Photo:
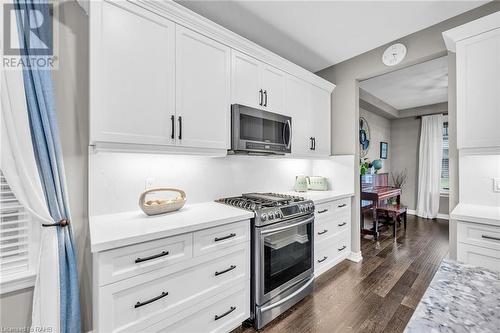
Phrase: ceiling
(318, 34)
(418, 85)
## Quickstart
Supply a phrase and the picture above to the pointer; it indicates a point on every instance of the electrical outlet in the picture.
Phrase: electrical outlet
(496, 184)
(149, 183)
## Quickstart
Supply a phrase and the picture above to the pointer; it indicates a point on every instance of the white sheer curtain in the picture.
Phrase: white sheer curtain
(19, 167)
(429, 166)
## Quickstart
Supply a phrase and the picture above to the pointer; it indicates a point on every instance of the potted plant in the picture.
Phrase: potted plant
(398, 180)
(364, 166)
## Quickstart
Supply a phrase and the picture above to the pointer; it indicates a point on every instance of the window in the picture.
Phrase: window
(445, 165)
(17, 242)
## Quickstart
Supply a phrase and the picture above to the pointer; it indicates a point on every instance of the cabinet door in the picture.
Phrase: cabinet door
(132, 78)
(320, 120)
(478, 91)
(273, 83)
(246, 80)
(298, 105)
(202, 91)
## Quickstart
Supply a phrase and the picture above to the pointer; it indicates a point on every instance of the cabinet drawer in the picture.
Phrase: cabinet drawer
(326, 228)
(330, 250)
(213, 239)
(478, 256)
(132, 260)
(479, 234)
(342, 206)
(135, 303)
(223, 315)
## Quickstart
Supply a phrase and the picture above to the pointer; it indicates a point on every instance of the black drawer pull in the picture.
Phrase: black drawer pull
(490, 237)
(139, 304)
(321, 260)
(322, 211)
(164, 253)
(225, 313)
(217, 239)
(172, 119)
(343, 205)
(342, 224)
(342, 248)
(322, 232)
(226, 270)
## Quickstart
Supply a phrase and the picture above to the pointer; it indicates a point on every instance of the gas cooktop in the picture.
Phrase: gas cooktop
(271, 207)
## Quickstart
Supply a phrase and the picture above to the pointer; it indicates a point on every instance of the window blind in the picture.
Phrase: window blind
(445, 164)
(14, 233)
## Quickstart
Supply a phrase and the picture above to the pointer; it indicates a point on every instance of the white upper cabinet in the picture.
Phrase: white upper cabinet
(320, 118)
(478, 91)
(257, 84)
(133, 75)
(298, 106)
(273, 85)
(246, 88)
(202, 91)
(309, 107)
(477, 47)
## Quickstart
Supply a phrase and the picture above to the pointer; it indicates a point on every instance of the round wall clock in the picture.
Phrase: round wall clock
(364, 137)
(394, 54)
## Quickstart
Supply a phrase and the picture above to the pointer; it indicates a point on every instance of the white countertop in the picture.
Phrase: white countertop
(477, 213)
(322, 196)
(121, 229)
(115, 230)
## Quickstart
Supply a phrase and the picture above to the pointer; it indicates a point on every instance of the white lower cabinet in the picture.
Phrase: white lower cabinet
(478, 244)
(332, 234)
(195, 292)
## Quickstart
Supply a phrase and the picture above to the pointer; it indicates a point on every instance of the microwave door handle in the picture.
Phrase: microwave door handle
(289, 125)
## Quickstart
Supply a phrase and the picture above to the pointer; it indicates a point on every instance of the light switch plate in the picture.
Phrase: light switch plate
(496, 184)
(149, 183)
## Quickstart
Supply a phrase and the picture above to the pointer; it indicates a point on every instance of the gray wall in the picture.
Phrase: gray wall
(423, 45)
(71, 93)
(380, 130)
(405, 135)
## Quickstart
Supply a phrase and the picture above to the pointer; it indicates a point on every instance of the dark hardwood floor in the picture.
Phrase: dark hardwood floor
(378, 294)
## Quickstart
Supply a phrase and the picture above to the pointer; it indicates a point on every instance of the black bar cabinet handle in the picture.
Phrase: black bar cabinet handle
(342, 248)
(172, 119)
(265, 97)
(180, 127)
(490, 237)
(322, 232)
(314, 143)
(322, 211)
(311, 147)
(342, 224)
(225, 313)
(226, 270)
(139, 304)
(343, 205)
(260, 97)
(321, 260)
(217, 239)
(162, 254)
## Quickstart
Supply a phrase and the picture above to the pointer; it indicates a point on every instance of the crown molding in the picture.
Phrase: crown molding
(473, 28)
(189, 19)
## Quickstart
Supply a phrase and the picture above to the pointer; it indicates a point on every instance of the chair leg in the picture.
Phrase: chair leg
(394, 226)
(404, 219)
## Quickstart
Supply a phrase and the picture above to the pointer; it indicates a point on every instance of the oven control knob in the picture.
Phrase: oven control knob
(263, 217)
(301, 208)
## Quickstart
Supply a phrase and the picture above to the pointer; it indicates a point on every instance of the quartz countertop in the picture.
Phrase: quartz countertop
(477, 213)
(115, 230)
(321, 196)
(460, 298)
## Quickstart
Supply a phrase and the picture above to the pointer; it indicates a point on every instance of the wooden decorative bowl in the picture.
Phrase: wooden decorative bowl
(161, 206)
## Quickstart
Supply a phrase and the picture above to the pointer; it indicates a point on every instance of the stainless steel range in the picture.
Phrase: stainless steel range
(282, 252)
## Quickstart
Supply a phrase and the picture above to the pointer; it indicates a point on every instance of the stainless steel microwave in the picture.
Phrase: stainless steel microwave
(259, 132)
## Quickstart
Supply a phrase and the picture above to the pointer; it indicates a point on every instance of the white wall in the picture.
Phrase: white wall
(380, 131)
(117, 179)
(476, 179)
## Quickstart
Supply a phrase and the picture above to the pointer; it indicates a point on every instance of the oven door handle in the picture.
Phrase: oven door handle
(288, 226)
(286, 299)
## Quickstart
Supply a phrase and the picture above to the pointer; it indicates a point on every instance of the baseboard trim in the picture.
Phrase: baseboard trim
(355, 257)
(439, 216)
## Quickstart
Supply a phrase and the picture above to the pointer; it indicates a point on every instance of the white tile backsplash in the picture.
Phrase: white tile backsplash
(117, 179)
